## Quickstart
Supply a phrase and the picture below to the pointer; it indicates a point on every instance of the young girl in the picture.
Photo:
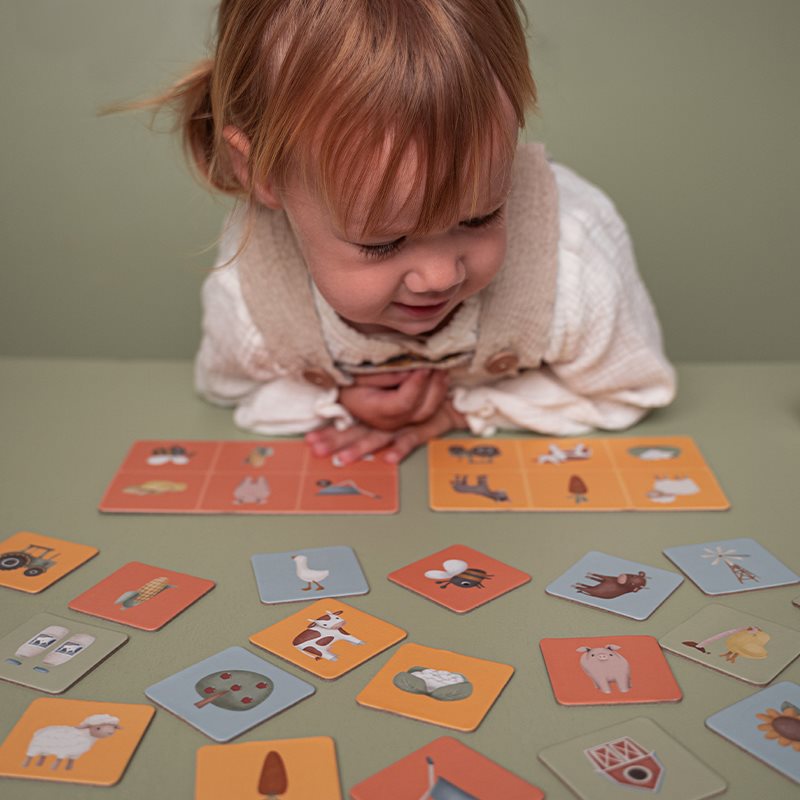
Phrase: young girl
(398, 266)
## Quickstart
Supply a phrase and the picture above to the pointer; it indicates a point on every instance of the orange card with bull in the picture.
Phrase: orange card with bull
(459, 578)
(328, 638)
(30, 562)
(142, 596)
(289, 769)
(609, 670)
(74, 741)
(437, 686)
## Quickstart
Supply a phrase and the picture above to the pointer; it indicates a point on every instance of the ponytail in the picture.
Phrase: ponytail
(189, 100)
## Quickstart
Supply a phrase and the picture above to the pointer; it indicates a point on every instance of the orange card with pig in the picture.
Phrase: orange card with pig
(445, 768)
(274, 476)
(658, 473)
(289, 769)
(609, 670)
(328, 638)
(142, 596)
(30, 562)
(74, 741)
(437, 686)
(459, 578)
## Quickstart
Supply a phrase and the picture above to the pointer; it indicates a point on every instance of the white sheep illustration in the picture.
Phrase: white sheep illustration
(69, 741)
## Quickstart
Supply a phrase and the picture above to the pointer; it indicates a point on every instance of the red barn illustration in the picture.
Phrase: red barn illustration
(627, 762)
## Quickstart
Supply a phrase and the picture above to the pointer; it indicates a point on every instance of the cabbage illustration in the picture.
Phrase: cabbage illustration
(437, 683)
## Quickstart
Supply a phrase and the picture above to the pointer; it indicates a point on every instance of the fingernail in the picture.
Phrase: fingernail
(319, 448)
(338, 460)
(392, 457)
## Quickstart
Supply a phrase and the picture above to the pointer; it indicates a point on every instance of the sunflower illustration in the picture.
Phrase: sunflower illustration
(783, 725)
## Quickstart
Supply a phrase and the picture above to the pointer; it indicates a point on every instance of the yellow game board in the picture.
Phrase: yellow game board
(657, 473)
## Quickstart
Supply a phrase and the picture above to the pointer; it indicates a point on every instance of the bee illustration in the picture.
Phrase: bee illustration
(458, 573)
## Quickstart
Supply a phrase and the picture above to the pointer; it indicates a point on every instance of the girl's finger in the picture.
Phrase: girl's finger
(325, 441)
(435, 395)
(369, 442)
(413, 436)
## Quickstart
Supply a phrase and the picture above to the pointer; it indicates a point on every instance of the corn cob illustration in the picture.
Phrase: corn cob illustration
(143, 593)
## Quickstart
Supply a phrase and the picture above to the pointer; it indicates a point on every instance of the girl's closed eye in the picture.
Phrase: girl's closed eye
(378, 251)
(487, 219)
(387, 249)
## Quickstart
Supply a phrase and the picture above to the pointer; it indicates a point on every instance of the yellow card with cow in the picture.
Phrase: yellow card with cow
(608, 670)
(437, 686)
(74, 741)
(289, 769)
(30, 562)
(328, 638)
(741, 645)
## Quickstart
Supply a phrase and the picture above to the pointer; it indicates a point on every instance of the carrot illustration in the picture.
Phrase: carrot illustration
(273, 781)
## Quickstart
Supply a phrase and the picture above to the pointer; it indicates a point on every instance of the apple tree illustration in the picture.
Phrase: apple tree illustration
(234, 690)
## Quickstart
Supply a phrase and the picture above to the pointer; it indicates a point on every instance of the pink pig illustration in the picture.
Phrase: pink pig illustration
(605, 665)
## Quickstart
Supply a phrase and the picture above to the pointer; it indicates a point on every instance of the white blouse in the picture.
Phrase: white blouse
(604, 365)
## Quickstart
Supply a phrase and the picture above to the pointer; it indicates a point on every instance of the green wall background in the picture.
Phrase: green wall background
(685, 112)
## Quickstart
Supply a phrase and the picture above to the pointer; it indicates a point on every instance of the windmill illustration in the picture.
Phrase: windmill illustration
(730, 559)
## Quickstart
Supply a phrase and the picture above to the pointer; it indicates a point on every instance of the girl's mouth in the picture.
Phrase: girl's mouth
(422, 311)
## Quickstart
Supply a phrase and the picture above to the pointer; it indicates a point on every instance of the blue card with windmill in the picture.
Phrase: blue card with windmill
(731, 565)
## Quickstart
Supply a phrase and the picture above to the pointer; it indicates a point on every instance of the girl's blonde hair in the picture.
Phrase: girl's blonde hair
(341, 89)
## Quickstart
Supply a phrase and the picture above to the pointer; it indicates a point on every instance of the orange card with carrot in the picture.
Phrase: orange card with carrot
(279, 768)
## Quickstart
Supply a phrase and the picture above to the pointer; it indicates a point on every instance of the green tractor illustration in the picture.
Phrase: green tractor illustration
(34, 558)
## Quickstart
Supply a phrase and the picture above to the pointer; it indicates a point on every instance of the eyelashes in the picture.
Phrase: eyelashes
(378, 251)
(387, 249)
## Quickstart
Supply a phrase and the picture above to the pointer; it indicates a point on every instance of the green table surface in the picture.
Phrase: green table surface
(66, 425)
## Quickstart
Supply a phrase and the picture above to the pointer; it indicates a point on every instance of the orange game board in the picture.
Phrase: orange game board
(657, 473)
(246, 477)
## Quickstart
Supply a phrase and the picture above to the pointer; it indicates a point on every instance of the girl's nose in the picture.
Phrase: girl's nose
(435, 273)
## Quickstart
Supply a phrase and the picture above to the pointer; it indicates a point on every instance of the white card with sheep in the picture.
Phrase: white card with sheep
(74, 741)
(307, 574)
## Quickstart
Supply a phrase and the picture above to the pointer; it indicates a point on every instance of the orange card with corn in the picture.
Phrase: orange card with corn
(142, 596)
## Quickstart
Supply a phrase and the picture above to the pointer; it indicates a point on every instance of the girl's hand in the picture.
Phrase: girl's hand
(360, 440)
(392, 400)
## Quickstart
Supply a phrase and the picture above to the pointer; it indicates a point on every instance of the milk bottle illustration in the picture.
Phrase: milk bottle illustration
(69, 649)
(39, 643)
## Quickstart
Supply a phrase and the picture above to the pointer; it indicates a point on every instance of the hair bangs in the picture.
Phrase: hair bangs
(395, 93)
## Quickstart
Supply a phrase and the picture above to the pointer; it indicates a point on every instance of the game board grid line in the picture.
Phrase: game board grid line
(301, 482)
(523, 470)
(207, 478)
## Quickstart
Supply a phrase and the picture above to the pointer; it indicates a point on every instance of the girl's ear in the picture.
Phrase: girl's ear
(239, 151)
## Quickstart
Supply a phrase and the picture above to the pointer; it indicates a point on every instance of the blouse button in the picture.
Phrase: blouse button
(504, 361)
(319, 378)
